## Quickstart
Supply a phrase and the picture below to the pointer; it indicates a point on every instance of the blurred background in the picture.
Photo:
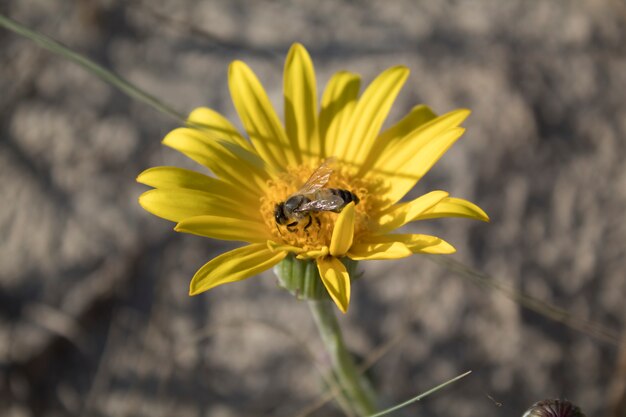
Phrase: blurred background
(95, 319)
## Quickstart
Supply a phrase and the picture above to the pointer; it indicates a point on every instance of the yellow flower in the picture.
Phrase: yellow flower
(253, 176)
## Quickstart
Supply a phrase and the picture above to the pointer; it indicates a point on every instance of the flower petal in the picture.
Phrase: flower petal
(417, 117)
(378, 250)
(417, 152)
(431, 244)
(275, 247)
(338, 103)
(454, 207)
(336, 280)
(416, 243)
(177, 204)
(235, 265)
(388, 140)
(400, 214)
(300, 91)
(314, 253)
(218, 127)
(408, 174)
(355, 142)
(174, 177)
(229, 162)
(343, 233)
(225, 228)
(259, 118)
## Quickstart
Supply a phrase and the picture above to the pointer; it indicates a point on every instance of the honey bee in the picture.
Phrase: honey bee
(312, 198)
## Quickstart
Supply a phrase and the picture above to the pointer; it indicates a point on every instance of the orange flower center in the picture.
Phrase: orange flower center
(313, 229)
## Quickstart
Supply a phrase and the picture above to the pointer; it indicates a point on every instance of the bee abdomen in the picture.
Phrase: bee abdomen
(346, 196)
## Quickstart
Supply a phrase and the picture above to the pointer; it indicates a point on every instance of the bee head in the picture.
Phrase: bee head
(279, 214)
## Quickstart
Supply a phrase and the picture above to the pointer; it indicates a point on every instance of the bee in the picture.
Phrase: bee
(313, 198)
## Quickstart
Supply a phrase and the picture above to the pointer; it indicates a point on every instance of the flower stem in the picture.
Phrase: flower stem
(357, 390)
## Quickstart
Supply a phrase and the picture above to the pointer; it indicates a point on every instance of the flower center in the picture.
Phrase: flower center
(313, 229)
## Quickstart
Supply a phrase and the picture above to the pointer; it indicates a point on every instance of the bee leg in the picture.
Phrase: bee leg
(319, 223)
(278, 228)
(291, 225)
(308, 223)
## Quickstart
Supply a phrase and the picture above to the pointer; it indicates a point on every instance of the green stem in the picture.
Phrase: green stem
(360, 396)
(98, 70)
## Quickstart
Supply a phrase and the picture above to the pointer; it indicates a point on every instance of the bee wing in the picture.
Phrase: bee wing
(318, 178)
(328, 203)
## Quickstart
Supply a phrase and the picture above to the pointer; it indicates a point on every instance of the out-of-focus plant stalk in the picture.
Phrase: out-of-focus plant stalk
(98, 70)
(357, 390)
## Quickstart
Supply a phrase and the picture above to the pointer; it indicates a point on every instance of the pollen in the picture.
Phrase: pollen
(314, 233)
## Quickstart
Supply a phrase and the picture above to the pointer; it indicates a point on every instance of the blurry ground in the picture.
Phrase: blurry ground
(94, 314)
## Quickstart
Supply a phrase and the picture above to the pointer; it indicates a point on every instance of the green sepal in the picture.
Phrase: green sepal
(302, 279)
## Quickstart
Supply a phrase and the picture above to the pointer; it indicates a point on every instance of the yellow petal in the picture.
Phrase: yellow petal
(388, 140)
(225, 228)
(417, 117)
(276, 247)
(436, 246)
(300, 90)
(218, 127)
(454, 207)
(174, 177)
(403, 213)
(343, 233)
(314, 253)
(336, 280)
(235, 265)
(338, 103)
(420, 163)
(378, 250)
(259, 118)
(355, 142)
(417, 152)
(229, 162)
(415, 243)
(176, 204)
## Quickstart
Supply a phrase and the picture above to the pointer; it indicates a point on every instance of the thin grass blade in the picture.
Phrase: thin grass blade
(91, 66)
(420, 396)
(541, 307)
